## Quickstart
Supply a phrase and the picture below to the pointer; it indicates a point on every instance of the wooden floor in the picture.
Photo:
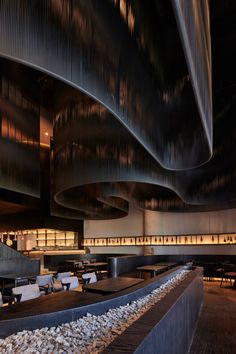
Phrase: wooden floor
(216, 330)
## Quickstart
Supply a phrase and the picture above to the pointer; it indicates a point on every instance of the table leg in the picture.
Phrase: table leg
(3, 285)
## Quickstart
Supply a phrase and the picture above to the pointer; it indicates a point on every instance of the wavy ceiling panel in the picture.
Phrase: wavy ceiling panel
(193, 20)
(99, 168)
(128, 58)
(143, 136)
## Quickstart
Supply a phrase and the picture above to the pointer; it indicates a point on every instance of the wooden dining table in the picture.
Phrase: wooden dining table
(152, 269)
(111, 285)
(96, 266)
(14, 277)
(167, 264)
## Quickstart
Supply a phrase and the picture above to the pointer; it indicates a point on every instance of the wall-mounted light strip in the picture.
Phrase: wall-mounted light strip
(160, 240)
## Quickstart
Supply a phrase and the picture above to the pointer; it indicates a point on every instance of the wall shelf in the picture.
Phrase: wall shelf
(52, 238)
(163, 240)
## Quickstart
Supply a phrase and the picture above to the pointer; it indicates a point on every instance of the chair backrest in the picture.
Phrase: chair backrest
(28, 292)
(60, 276)
(86, 261)
(73, 281)
(90, 277)
(1, 302)
(78, 265)
(43, 280)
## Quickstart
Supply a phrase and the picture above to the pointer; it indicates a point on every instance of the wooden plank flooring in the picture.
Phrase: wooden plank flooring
(216, 330)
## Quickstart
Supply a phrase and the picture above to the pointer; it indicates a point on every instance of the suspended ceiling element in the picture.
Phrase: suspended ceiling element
(128, 88)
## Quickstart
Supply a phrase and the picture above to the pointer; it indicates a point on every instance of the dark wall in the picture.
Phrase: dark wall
(125, 264)
(199, 258)
(12, 261)
(52, 262)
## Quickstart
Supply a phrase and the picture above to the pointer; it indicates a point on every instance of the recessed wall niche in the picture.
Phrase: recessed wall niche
(163, 240)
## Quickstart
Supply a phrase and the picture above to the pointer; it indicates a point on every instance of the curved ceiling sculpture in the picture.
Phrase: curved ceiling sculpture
(99, 167)
(129, 58)
(139, 128)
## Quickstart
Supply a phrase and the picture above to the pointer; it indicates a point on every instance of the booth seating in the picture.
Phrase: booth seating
(27, 292)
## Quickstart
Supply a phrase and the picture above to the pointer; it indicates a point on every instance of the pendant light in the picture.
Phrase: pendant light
(9, 241)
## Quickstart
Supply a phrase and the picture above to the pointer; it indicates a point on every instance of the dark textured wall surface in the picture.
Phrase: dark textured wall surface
(12, 261)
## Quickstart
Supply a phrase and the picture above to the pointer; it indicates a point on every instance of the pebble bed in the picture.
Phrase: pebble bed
(89, 334)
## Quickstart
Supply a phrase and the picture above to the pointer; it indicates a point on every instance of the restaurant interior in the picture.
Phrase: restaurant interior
(117, 167)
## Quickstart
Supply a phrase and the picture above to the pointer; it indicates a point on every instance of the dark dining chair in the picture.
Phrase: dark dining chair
(44, 282)
(57, 281)
(62, 275)
(5, 299)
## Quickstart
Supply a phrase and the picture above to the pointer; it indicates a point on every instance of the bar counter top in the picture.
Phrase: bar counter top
(40, 254)
(35, 253)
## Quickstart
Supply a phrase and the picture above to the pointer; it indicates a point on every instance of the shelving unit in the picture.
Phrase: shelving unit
(160, 240)
(51, 238)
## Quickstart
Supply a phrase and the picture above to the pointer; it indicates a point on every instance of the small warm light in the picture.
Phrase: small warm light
(9, 242)
(46, 133)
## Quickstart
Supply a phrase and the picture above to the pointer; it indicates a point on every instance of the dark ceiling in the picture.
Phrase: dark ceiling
(143, 140)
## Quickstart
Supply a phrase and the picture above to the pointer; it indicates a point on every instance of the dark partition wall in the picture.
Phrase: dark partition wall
(52, 262)
(168, 327)
(126, 264)
(14, 262)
